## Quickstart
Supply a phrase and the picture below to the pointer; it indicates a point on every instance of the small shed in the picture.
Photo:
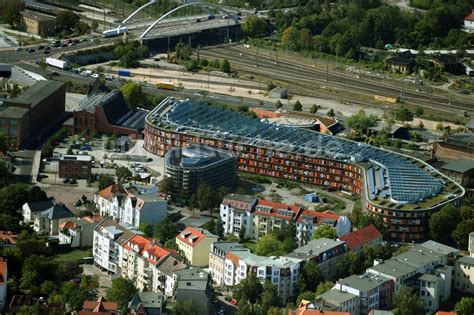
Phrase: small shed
(278, 92)
(312, 197)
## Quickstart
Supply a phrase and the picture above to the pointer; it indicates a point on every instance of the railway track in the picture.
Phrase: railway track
(306, 77)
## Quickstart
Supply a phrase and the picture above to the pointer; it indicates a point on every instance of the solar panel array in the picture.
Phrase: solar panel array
(407, 183)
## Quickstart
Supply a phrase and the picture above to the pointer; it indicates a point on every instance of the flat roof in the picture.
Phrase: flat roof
(85, 158)
(12, 112)
(337, 297)
(39, 91)
(40, 17)
(196, 156)
(460, 165)
(364, 282)
(467, 260)
(315, 248)
(428, 277)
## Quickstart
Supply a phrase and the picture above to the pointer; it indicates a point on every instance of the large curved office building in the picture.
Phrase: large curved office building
(403, 190)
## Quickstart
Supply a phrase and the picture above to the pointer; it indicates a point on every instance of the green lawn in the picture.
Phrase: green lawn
(74, 255)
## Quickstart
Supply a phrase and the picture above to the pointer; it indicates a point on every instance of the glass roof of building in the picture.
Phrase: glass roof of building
(405, 182)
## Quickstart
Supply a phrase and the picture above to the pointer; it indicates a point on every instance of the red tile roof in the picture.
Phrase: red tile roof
(470, 17)
(67, 225)
(303, 310)
(100, 306)
(445, 313)
(92, 218)
(147, 248)
(109, 192)
(276, 206)
(361, 236)
(3, 270)
(318, 216)
(191, 233)
(233, 258)
(7, 237)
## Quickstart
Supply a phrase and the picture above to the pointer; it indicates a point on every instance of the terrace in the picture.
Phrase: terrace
(392, 179)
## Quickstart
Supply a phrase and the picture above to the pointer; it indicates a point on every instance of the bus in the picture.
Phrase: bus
(165, 86)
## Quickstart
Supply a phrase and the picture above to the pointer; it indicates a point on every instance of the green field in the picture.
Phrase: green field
(74, 255)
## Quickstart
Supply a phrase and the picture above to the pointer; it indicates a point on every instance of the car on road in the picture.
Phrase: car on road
(221, 310)
(66, 180)
(31, 50)
(40, 47)
(198, 20)
(46, 52)
(95, 75)
(225, 16)
(64, 45)
(73, 181)
(210, 17)
(18, 49)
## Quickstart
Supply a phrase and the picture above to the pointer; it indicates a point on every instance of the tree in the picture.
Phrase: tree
(269, 297)
(290, 37)
(306, 295)
(146, 228)
(123, 174)
(171, 244)
(324, 287)
(184, 308)
(278, 104)
(183, 51)
(225, 66)
(297, 106)
(325, 231)
(167, 187)
(5, 175)
(105, 181)
(165, 230)
(403, 114)
(465, 306)
(219, 230)
(143, 51)
(133, 94)
(74, 295)
(13, 17)
(313, 109)
(361, 122)
(331, 113)
(269, 245)
(407, 302)
(419, 111)
(347, 265)
(461, 233)
(242, 232)
(66, 21)
(249, 289)
(254, 26)
(122, 291)
(443, 223)
(309, 278)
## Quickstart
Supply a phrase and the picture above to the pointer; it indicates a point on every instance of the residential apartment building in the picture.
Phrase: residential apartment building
(75, 166)
(430, 291)
(358, 240)
(464, 275)
(107, 249)
(339, 301)
(236, 213)
(324, 252)
(3, 282)
(260, 217)
(147, 208)
(309, 220)
(405, 268)
(272, 216)
(131, 209)
(139, 256)
(146, 303)
(217, 254)
(196, 285)
(374, 291)
(48, 221)
(8, 239)
(164, 279)
(194, 245)
(31, 210)
(77, 233)
(281, 271)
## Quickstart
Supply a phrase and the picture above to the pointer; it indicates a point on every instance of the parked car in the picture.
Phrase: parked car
(18, 49)
(40, 47)
(66, 180)
(31, 50)
(73, 181)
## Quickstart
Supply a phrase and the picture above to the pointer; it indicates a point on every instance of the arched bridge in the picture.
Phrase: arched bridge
(228, 19)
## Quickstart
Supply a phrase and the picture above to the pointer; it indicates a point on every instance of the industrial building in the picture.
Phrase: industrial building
(401, 189)
(195, 165)
(75, 166)
(28, 115)
(106, 112)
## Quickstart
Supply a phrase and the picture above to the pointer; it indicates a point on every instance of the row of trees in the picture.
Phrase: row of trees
(342, 29)
(452, 225)
(52, 142)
